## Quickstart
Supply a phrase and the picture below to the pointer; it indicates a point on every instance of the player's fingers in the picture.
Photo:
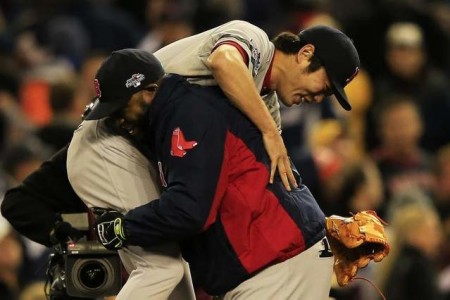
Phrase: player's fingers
(273, 169)
(290, 174)
(283, 175)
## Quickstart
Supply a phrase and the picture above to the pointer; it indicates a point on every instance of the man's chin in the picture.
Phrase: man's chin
(287, 103)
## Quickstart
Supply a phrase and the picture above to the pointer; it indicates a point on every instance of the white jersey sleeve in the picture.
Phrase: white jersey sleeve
(187, 57)
(252, 40)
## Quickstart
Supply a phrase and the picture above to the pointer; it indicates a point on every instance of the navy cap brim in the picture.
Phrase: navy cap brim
(341, 96)
(101, 110)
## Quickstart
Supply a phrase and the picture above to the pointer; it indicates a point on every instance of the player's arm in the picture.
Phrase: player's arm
(190, 202)
(32, 207)
(228, 67)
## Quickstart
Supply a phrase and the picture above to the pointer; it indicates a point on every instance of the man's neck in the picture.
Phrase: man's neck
(267, 79)
(279, 66)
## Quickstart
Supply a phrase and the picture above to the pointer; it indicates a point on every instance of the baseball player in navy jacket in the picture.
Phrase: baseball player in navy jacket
(242, 237)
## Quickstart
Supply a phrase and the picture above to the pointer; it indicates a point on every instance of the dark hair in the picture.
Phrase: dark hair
(287, 42)
(290, 43)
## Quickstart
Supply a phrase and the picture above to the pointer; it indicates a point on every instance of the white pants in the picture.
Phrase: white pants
(306, 276)
(158, 273)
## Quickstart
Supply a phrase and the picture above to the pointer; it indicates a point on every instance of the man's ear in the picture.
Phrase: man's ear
(150, 91)
(306, 52)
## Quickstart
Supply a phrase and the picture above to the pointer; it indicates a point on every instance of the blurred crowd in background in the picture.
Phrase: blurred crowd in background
(390, 154)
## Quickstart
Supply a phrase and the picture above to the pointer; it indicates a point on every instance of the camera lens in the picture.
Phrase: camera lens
(92, 271)
(92, 275)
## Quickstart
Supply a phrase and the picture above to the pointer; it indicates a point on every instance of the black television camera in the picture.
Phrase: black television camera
(79, 268)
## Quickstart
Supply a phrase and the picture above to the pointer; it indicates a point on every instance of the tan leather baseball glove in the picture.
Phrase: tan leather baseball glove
(355, 241)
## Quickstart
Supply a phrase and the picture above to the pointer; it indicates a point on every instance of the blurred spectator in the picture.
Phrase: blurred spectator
(316, 17)
(403, 163)
(330, 150)
(21, 159)
(14, 124)
(442, 191)
(3, 131)
(85, 89)
(367, 21)
(68, 38)
(59, 131)
(212, 13)
(440, 11)
(90, 24)
(442, 198)
(405, 41)
(296, 123)
(174, 22)
(33, 291)
(409, 272)
(40, 68)
(356, 187)
(414, 195)
(10, 261)
(360, 95)
(409, 72)
(331, 147)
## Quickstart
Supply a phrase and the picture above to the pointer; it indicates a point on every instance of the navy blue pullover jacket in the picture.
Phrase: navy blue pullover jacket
(217, 200)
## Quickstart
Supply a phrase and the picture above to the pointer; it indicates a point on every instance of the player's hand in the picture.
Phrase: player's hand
(109, 229)
(279, 159)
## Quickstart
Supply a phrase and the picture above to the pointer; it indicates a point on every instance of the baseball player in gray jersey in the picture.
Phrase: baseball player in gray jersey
(106, 169)
(295, 68)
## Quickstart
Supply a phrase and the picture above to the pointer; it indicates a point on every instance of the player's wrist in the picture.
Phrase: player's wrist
(270, 130)
(119, 229)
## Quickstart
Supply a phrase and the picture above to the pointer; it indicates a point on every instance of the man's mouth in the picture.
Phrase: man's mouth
(298, 99)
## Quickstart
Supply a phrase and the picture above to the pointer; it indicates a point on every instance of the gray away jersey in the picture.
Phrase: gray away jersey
(187, 57)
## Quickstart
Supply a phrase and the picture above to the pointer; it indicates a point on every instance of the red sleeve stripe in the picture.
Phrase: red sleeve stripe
(237, 46)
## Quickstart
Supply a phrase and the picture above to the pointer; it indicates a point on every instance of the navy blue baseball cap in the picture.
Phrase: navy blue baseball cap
(338, 55)
(122, 74)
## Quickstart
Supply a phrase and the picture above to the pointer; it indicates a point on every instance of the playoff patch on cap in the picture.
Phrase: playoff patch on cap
(135, 80)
